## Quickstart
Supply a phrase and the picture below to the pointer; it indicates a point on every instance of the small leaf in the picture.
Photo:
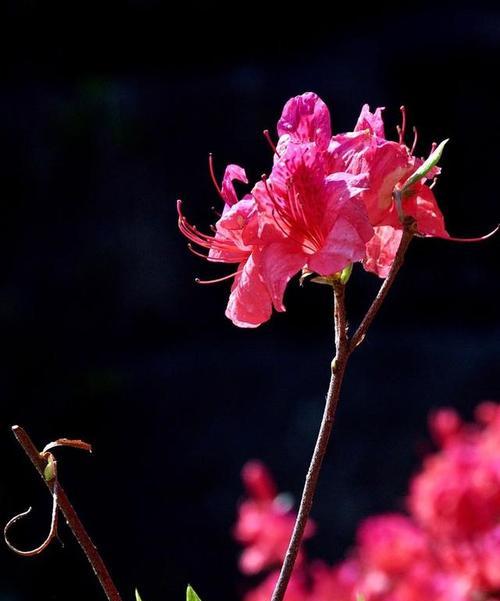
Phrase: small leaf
(431, 161)
(137, 596)
(345, 274)
(191, 594)
(68, 442)
(49, 473)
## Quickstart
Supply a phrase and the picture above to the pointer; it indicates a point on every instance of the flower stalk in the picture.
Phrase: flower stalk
(344, 347)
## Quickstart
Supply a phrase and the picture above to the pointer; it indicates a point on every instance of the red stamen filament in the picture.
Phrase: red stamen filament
(466, 240)
(415, 138)
(267, 136)
(290, 221)
(402, 129)
(212, 176)
(222, 279)
(195, 252)
(209, 242)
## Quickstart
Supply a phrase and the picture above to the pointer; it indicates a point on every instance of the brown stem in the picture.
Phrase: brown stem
(72, 519)
(360, 333)
(344, 348)
(332, 398)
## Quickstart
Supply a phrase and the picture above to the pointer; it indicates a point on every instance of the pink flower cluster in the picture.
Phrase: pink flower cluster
(328, 201)
(447, 548)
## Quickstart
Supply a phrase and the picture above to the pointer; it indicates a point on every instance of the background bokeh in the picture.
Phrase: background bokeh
(107, 114)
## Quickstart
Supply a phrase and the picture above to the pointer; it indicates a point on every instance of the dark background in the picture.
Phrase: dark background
(107, 114)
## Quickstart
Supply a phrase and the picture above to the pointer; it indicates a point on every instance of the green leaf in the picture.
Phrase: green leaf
(137, 596)
(191, 594)
(345, 274)
(49, 473)
(431, 161)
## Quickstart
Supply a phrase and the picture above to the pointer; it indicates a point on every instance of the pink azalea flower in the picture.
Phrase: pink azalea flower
(448, 549)
(265, 522)
(382, 168)
(308, 218)
(390, 543)
(388, 166)
(457, 494)
(305, 118)
(235, 241)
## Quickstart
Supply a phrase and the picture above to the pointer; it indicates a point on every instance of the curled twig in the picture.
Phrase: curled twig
(50, 537)
(46, 466)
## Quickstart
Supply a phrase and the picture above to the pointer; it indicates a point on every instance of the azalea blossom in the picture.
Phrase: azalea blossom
(446, 548)
(308, 218)
(235, 241)
(301, 216)
(265, 521)
(327, 202)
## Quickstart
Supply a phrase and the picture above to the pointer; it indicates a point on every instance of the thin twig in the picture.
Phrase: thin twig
(72, 519)
(360, 333)
(344, 348)
(332, 398)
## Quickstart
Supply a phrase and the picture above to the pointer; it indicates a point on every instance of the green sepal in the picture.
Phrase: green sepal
(191, 594)
(431, 161)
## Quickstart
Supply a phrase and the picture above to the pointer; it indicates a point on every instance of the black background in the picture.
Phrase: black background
(107, 114)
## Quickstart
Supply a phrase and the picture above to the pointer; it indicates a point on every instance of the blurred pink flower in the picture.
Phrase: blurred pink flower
(265, 522)
(448, 549)
(457, 494)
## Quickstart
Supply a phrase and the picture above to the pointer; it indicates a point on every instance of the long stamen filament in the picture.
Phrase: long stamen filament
(217, 280)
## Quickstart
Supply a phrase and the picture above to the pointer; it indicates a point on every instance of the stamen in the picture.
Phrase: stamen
(466, 240)
(195, 252)
(209, 242)
(415, 138)
(267, 136)
(212, 175)
(402, 129)
(285, 218)
(222, 279)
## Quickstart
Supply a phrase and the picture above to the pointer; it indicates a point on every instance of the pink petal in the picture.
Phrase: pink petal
(249, 303)
(422, 205)
(306, 118)
(381, 250)
(280, 262)
(342, 246)
(233, 172)
(371, 121)
(345, 150)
